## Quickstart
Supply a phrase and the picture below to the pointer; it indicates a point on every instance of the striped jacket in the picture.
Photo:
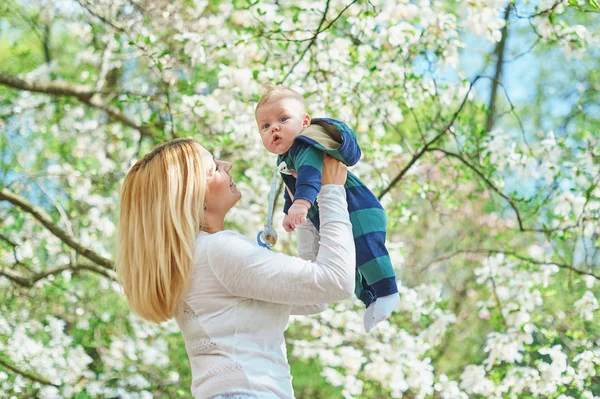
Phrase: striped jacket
(374, 272)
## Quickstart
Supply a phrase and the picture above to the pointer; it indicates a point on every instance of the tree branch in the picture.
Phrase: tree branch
(85, 94)
(430, 143)
(489, 252)
(499, 51)
(8, 241)
(29, 282)
(511, 201)
(487, 182)
(25, 374)
(46, 44)
(100, 17)
(157, 70)
(314, 38)
(498, 302)
(45, 219)
(312, 41)
(542, 12)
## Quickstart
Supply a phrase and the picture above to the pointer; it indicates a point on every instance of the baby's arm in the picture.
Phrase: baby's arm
(309, 169)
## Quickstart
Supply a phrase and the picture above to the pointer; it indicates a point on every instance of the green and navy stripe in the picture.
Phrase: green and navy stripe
(375, 275)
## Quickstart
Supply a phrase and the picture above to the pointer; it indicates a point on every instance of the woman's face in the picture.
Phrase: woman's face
(221, 191)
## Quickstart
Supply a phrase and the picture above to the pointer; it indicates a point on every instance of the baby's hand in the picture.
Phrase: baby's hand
(296, 215)
(287, 226)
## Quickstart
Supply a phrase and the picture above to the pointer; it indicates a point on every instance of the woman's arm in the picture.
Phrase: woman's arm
(308, 247)
(250, 271)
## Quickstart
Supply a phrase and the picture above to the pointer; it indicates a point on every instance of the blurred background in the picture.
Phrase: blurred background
(479, 125)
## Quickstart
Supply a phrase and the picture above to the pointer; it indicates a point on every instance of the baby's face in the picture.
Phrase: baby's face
(279, 122)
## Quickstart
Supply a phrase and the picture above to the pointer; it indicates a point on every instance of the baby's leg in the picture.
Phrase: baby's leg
(380, 310)
(378, 278)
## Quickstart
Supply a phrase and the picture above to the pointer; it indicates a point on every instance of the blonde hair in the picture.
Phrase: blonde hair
(273, 92)
(161, 212)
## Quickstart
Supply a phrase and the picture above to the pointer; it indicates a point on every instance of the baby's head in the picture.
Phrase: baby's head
(281, 116)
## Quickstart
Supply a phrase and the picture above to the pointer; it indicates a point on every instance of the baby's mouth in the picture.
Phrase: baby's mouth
(276, 139)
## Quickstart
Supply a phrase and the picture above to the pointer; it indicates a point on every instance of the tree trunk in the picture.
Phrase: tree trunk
(499, 51)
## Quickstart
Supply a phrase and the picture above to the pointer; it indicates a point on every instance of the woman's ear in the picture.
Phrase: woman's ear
(306, 121)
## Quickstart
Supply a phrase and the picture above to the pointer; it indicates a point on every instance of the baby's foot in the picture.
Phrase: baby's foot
(380, 310)
(368, 319)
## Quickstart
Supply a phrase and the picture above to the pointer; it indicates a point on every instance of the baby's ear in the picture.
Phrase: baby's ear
(306, 121)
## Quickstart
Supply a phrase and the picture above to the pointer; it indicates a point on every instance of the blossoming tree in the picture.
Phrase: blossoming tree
(479, 127)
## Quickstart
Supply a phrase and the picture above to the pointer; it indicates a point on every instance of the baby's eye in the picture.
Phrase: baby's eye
(283, 119)
(266, 126)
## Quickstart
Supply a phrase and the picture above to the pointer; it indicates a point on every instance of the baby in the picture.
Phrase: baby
(287, 130)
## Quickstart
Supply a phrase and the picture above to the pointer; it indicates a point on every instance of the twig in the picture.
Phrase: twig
(498, 303)
(314, 38)
(312, 41)
(104, 66)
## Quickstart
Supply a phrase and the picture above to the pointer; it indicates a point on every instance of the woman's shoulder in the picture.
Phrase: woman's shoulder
(223, 246)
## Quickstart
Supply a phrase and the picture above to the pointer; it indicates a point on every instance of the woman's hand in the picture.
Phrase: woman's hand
(334, 171)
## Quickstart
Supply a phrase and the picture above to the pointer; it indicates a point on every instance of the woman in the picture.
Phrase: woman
(231, 298)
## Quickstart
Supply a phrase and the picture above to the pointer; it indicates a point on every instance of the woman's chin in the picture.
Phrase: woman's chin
(238, 197)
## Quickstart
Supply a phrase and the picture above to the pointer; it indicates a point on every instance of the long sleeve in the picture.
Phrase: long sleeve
(308, 248)
(247, 270)
(309, 167)
(286, 196)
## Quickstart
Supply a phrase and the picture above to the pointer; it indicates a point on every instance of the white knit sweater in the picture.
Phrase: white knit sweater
(240, 297)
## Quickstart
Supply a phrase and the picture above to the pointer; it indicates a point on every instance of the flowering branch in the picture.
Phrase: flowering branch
(425, 148)
(157, 68)
(85, 94)
(540, 13)
(498, 302)
(487, 182)
(489, 252)
(511, 201)
(312, 41)
(29, 282)
(314, 38)
(45, 219)
(25, 374)
(14, 245)
(100, 17)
